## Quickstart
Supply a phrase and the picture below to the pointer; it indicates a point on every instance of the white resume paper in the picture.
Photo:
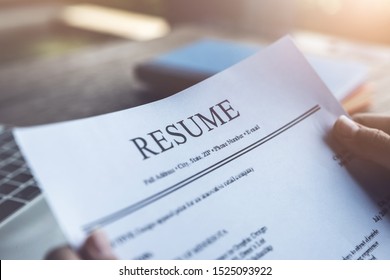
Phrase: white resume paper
(240, 166)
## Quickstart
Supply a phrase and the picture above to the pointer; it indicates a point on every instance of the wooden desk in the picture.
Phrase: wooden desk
(101, 80)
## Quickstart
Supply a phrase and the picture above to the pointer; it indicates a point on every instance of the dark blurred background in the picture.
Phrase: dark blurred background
(68, 59)
(33, 28)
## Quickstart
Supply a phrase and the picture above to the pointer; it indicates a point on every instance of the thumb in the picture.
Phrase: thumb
(367, 143)
(97, 247)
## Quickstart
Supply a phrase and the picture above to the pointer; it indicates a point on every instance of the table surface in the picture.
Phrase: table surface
(101, 79)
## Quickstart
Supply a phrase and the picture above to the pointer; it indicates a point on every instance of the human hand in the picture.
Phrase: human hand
(367, 136)
(96, 247)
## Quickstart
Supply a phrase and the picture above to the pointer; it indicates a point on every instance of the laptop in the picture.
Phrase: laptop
(28, 229)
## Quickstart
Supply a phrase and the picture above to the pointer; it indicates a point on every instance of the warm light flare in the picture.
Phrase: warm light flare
(125, 24)
(367, 20)
(330, 7)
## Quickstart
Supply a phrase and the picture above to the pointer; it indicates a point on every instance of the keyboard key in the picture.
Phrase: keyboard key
(9, 207)
(22, 177)
(6, 154)
(28, 193)
(7, 188)
(10, 167)
(11, 145)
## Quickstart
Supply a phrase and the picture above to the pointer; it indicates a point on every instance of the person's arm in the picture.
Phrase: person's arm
(366, 136)
(96, 247)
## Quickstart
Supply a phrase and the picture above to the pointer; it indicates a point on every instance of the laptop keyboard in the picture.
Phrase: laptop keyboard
(17, 185)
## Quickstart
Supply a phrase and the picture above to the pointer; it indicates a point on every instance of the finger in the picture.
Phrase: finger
(63, 253)
(97, 247)
(381, 122)
(368, 143)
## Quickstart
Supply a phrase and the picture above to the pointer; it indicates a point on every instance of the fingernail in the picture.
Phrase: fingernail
(346, 127)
